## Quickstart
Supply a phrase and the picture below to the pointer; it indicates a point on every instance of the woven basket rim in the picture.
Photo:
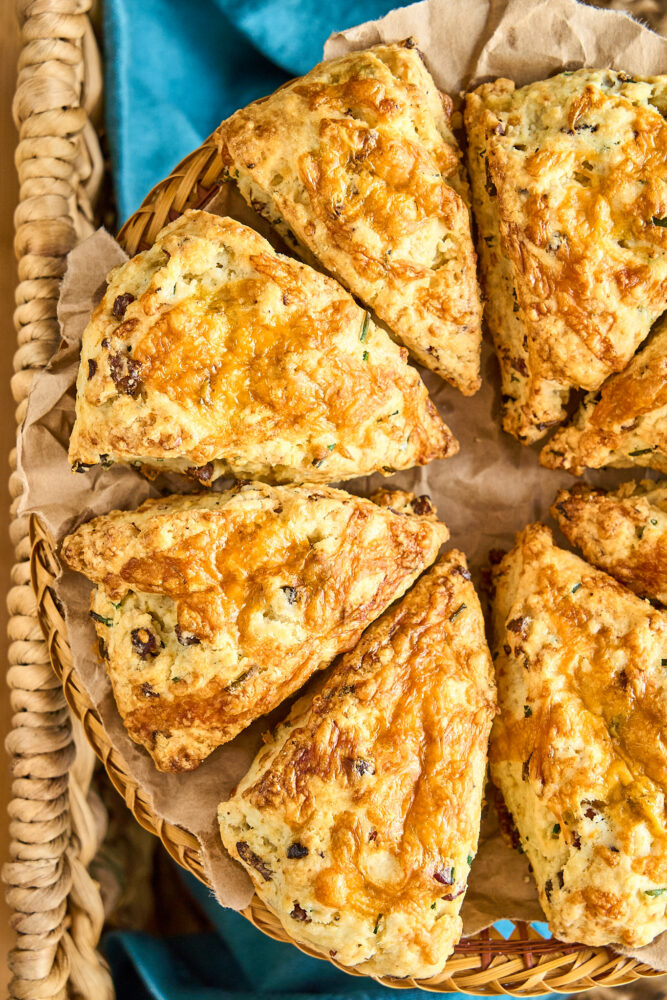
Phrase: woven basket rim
(523, 965)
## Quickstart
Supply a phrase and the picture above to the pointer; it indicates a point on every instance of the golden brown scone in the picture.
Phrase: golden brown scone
(623, 533)
(213, 609)
(570, 197)
(578, 749)
(359, 820)
(357, 167)
(212, 354)
(625, 424)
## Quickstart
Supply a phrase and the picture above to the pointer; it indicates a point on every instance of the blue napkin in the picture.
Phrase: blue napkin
(176, 68)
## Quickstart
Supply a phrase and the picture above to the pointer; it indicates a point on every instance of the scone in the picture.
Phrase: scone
(623, 533)
(212, 609)
(569, 185)
(578, 749)
(213, 355)
(359, 819)
(625, 424)
(357, 167)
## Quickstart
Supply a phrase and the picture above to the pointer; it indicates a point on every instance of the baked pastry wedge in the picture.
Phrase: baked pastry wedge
(211, 354)
(623, 425)
(578, 748)
(212, 609)
(359, 819)
(623, 533)
(570, 197)
(356, 166)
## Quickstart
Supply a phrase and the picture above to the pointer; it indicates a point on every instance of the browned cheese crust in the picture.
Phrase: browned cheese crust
(357, 165)
(623, 425)
(213, 609)
(211, 354)
(623, 533)
(359, 820)
(569, 180)
(578, 749)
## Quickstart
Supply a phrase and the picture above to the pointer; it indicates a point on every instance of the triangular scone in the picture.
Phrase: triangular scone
(623, 533)
(570, 195)
(356, 165)
(213, 609)
(623, 425)
(212, 354)
(578, 749)
(359, 820)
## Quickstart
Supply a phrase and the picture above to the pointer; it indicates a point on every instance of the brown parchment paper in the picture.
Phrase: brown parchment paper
(491, 489)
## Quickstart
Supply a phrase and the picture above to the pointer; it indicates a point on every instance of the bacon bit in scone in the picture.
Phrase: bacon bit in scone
(298, 913)
(121, 302)
(92, 367)
(448, 897)
(124, 373)
(202, 474)
(445, 876)
(186, 638)
(149, 691)
(246, 854)
(422, 506)
(548, 889)
(462, 571)
(520, 626)
(144, 642)
(295, 851)
(291, 594)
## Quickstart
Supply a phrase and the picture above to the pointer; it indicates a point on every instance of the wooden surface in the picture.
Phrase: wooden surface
(9, 48)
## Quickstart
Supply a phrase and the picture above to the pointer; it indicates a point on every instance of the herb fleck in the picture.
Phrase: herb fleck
(101, 619)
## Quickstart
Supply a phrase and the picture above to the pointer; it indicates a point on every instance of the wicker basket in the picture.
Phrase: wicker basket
(58, 910)
(524, 965)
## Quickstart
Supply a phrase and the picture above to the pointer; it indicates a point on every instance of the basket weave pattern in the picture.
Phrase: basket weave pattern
(57, 908)
(54, 822)
(487, 964)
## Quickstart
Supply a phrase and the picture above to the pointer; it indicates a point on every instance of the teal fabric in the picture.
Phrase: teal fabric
(176, 68)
